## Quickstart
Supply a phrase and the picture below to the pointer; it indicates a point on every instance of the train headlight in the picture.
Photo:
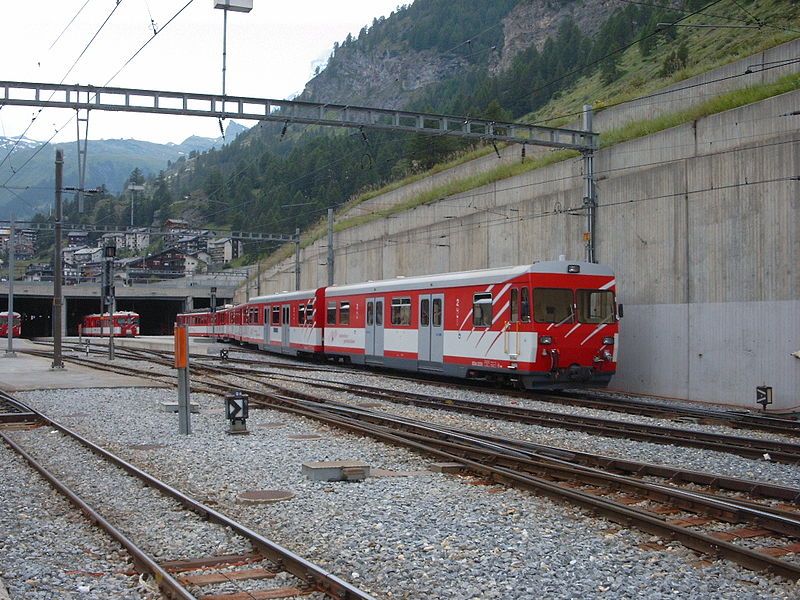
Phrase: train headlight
(545, 340)
(609, 341)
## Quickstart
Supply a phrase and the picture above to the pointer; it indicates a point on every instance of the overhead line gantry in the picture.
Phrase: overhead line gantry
(87, 97)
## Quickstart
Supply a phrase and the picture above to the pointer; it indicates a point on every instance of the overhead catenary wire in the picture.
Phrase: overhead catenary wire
(58, 130)
(72, 66)
(72, 20)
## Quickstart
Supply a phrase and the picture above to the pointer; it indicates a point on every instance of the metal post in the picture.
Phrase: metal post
(133, 195)
(58, 269)
(102, 296)
(589, 194)
(111, 310)
(297, 259)
(330, 246)
(224, 51)
(258, 277)
(213, 300)
(10, 352)
(182, 365)
(82, 155)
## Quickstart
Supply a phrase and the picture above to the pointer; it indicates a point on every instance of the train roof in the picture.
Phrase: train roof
(4, 313)
(475, 277)
(298, 295)
(120, 313)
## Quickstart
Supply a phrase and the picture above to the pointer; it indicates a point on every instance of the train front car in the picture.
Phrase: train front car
(570, 312)
(16, 325)
(550, 324)
(126, 324)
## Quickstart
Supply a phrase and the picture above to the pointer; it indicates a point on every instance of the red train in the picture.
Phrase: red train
(126, 324)
(16, 325)
(543, 325)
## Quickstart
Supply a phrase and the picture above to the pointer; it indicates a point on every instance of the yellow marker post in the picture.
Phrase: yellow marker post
(182, 365)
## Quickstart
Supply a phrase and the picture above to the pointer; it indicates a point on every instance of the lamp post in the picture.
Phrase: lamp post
(133, 188)
(244, 6)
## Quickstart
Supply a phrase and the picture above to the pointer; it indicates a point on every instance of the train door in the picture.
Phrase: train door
(266, 326)
(431, 331)
(285, 327)
(373, 331)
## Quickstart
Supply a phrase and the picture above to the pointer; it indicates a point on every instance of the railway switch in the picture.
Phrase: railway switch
(237, 411)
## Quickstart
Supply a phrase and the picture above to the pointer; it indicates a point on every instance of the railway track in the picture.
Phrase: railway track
(749, 447)
(180, 577)
(755, 524)
(736, 419)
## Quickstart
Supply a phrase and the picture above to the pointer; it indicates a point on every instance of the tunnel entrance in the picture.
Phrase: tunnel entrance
(156, 317)
(37, 314)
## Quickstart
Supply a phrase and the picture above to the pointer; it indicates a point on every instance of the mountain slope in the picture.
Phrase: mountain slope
(109, 164)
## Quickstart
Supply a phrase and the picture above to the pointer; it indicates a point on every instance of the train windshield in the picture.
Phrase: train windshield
(595, 306)
(552, 305)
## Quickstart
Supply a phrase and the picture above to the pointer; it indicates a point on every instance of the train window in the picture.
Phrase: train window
(514, 305)
(309, 313)
(482, 310)
(595, 306)
(276, 315)
(424, 313)
(552, 305)
(401, 311)
(344, 313)
(525, 306)
(301, 313)
(286, 315)
(379, 312)
(331, 320)
(370, 310)
(437, 312)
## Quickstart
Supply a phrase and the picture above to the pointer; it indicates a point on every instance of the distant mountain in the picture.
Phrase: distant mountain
(110, 162)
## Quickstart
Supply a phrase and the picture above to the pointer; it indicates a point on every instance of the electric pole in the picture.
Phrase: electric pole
(58, 270)
(10, 352)
(330, 246)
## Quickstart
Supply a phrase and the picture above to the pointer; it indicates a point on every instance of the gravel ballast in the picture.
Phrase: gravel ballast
(422, 536)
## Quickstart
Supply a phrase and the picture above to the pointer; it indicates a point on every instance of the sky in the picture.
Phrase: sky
(271, 53)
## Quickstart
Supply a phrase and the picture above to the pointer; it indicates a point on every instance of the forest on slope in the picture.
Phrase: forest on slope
(441, 57)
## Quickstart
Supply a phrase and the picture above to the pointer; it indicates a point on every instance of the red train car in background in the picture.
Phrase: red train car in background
(126, 324)
(16, 324)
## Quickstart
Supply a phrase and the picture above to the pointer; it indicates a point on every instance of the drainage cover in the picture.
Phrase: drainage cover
(273, 425)
(305, 436)
(260, 496)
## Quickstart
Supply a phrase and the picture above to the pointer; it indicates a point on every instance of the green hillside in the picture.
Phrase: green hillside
(274, 179)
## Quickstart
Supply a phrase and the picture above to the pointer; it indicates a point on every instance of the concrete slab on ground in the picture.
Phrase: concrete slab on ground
(152, 342)
(26, 372)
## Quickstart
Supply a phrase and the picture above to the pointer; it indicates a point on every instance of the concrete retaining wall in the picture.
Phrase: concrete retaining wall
(701, 223)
